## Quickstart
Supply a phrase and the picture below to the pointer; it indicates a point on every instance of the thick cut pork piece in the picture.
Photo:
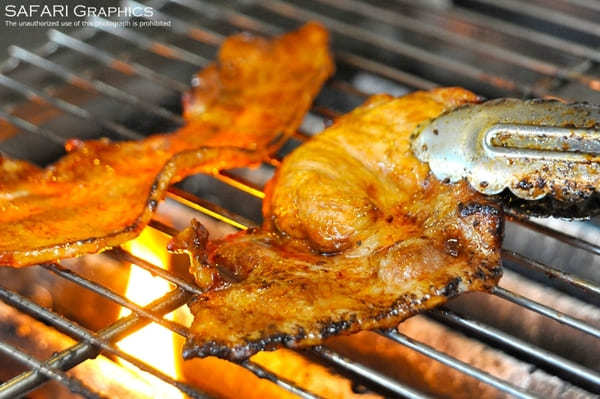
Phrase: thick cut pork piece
(357, 235)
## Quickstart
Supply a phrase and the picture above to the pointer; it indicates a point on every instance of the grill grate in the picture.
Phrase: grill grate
(369, 38)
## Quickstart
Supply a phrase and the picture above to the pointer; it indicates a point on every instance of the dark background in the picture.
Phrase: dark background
(31, 38)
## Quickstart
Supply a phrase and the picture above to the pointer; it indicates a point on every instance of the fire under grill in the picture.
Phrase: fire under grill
(536, 335)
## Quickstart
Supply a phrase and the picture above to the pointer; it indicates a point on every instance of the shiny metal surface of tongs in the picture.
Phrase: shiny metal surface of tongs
(534, 148)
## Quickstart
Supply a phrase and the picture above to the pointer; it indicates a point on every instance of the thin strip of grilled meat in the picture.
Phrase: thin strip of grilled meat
(103, 193)
(357, 235)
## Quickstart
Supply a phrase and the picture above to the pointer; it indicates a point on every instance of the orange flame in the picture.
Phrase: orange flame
(153, 344)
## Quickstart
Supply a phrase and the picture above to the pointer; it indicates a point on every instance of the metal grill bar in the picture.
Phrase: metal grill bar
(181, 27)
(501, 338)
(92, 85)
(108, 60)
(73, 384)
(162, 49)
(396, 19)
(363, 35)
(543, 39)
(243, 186)
(215, 211)
(534, 11)
(160, 226)
(282, 382)
(559, 235)
(584, 3)
(546, 311)
(66, 107)
(121, 300)
(360, 369)
(456, 364)
(121, 255)
(586, 286)
(30, 127)
(78, 332)
(69, 358)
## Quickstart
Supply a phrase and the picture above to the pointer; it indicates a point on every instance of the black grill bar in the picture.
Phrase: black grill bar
(160, 226)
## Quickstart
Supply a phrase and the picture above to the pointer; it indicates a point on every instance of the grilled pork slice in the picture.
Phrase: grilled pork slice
(357, 235)
(103, 193)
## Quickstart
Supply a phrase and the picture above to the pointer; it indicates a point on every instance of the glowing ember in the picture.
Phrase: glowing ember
(153, 344)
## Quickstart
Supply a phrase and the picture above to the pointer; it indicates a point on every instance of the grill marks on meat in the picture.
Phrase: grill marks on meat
(103, 193)
(357, 235)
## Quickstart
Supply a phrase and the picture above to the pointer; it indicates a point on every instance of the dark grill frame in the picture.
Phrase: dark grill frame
(91, 343)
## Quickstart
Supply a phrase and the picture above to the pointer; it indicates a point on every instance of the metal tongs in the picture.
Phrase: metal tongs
(534, 148)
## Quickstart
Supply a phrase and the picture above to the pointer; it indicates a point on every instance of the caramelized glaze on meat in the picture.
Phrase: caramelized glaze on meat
(103, 193)
(357, 235)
